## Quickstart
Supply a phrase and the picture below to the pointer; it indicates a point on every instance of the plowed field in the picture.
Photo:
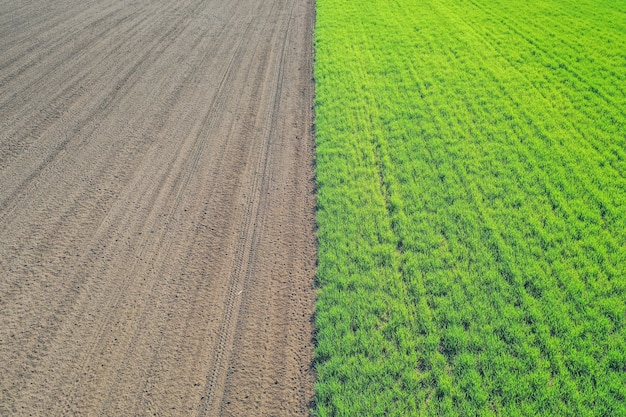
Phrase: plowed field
(157, 251)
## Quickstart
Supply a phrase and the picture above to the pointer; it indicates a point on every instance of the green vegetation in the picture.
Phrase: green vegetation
(471, 162)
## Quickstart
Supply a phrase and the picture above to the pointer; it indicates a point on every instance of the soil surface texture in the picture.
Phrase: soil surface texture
(157, 249)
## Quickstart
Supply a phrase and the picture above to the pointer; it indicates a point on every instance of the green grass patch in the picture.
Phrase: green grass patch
(471, 168)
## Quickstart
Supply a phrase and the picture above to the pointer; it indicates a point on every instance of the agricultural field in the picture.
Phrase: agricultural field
(471, 173)
(157, 222)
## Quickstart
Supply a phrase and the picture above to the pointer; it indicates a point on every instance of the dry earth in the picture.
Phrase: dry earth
(157, 247)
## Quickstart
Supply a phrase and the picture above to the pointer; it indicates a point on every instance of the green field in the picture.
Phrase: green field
(471, 168)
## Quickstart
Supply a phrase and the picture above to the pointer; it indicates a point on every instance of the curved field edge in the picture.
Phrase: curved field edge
(471, 172)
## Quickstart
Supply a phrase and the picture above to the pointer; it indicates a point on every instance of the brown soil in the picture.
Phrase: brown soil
(157, 250)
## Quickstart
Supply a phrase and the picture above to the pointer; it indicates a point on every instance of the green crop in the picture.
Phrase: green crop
(471, 170)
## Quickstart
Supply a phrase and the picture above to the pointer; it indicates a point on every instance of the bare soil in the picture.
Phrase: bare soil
(157, 250)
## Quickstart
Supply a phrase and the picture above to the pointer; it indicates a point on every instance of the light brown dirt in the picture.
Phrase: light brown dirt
(157, 251)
